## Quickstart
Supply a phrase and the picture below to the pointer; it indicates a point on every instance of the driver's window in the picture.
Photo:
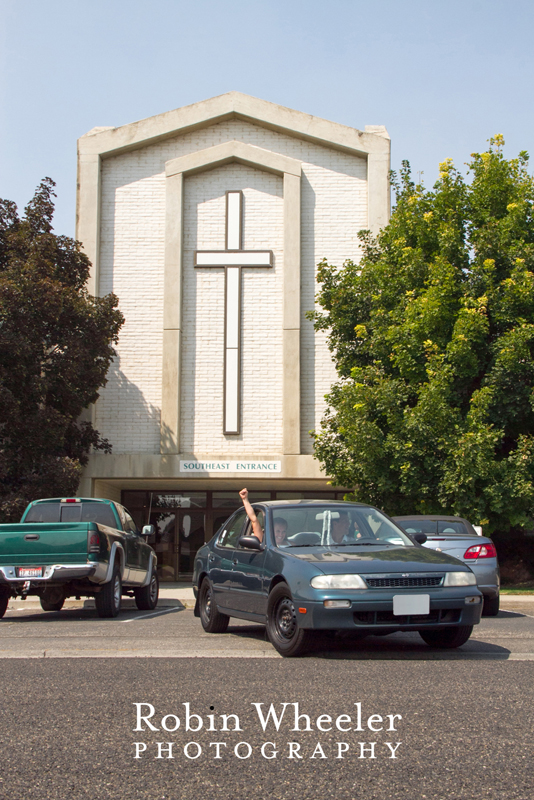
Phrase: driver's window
(130, 524)
(231, 534)
(260, 516)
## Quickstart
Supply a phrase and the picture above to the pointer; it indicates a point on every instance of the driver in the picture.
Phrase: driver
(340, 532)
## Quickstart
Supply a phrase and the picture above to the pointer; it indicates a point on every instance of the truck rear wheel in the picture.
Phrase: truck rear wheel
(4, 600)
(108, 599)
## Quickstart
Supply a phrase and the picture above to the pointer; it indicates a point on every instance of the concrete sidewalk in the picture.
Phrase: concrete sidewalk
(170, 594)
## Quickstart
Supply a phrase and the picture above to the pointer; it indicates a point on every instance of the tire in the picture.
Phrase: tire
(491, 606)
(146, 598)
(108, 599)
(211, 618)
(282, 626)
(447, 638)
(52, 600)
(4, 600)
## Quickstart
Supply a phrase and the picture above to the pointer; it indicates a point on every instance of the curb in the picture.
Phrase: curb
(34, 605)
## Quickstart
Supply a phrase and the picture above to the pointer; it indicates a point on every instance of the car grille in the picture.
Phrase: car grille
(369, 618)
(385, 583)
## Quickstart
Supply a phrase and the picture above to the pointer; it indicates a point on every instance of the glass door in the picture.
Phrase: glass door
(191, 535)
(164, 543)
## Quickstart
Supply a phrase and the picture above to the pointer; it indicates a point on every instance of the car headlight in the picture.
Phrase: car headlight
(460, 579)
(338, 582)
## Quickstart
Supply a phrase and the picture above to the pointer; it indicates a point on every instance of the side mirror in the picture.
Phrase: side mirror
(250, 542)
(148, 530)
(420, 538)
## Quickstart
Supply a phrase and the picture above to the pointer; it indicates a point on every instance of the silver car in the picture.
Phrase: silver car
(457, 537)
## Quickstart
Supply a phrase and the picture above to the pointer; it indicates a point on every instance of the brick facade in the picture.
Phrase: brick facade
(132, 248)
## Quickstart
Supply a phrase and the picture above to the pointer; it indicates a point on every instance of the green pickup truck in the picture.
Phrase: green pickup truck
(74, 547)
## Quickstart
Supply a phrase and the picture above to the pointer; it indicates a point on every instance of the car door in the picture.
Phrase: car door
(220, 559)
(132, 542)
(246, 592)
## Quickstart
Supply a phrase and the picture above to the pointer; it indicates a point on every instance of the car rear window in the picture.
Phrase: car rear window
(100, 513)
(453, 528)
(417, 525)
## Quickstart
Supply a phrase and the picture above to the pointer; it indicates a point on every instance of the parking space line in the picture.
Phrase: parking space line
(155, 614)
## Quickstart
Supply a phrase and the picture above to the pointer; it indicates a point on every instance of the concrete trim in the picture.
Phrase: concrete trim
(170, 391)
(234, 105)
(378, 191)
(172, 279)
(291, 316)
(88, 213)
(176, 170)
(172, 316)
(151, 467)
(224, 153)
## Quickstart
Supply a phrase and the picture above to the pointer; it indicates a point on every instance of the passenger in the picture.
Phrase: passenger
(280, 532)
(256, 527)
(341, 533)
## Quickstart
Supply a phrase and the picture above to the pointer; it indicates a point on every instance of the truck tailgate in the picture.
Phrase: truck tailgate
(44, 543)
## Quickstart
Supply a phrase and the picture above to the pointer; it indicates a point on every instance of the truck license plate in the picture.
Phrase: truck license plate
(30, 572)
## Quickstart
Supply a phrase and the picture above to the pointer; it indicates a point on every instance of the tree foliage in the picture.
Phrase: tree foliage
(433, 339)
(55, 349)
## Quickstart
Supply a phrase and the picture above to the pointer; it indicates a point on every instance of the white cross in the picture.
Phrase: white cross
(233, 258)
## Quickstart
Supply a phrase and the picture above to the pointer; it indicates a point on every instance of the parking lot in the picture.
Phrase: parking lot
(69, 682)
(172, 631)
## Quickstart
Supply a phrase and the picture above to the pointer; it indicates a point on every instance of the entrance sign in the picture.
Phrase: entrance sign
(233, 258)
(257, 467)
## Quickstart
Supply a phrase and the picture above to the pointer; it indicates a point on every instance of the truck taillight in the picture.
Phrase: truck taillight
(93, 542)
(481, 551)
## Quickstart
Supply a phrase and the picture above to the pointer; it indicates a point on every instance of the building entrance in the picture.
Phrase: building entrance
(183, 520)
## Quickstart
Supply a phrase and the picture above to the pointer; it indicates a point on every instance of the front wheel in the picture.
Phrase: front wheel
(447, 638)
(108, 599)
(4, 600)
(146, 598)
(282, 626)
(211, 618)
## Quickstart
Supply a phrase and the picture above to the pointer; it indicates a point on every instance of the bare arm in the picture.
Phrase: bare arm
(256, 527)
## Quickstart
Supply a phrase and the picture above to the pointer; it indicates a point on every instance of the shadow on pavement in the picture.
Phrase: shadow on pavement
(394, 646)
(508, 614)
(25, 616)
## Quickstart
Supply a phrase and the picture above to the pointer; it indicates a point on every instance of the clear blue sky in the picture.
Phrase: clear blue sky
(442, 75)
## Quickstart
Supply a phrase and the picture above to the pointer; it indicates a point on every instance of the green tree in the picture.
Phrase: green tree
(55, 349)
(432, 333)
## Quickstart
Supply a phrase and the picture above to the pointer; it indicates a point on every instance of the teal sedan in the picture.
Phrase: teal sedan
(333, 566)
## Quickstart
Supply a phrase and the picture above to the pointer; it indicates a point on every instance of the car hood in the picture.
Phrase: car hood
(375, 559)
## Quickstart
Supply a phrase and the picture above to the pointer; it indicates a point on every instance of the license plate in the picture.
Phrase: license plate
(30, 572)
(411, 604)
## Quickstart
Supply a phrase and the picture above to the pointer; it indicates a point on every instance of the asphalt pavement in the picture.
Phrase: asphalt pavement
(70, 682)
(172, 631)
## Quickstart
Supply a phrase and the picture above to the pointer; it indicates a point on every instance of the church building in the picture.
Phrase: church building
(208, 223)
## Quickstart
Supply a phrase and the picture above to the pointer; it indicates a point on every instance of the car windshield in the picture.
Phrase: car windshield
(337, 526)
